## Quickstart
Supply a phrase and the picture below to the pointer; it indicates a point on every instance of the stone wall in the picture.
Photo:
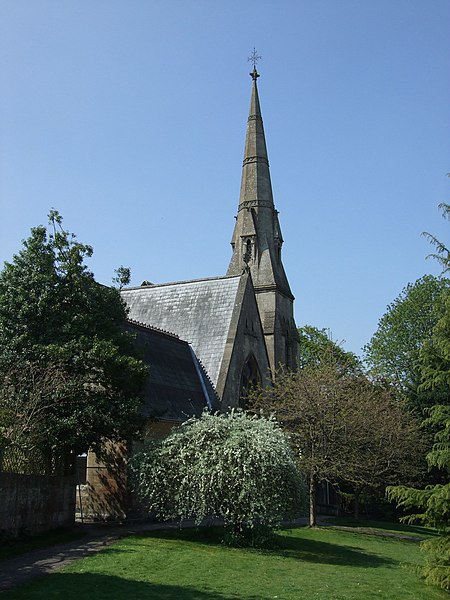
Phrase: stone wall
(106, 495)
(36, 503)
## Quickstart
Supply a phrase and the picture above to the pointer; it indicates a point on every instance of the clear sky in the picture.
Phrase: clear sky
(129, 116)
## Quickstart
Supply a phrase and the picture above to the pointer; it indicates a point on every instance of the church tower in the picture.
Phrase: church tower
(257, 243)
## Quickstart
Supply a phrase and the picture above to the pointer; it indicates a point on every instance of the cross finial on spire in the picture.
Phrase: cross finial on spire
(253, 58)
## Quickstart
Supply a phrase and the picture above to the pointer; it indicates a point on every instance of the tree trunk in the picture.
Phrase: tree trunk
(356, 507)
(312, 500)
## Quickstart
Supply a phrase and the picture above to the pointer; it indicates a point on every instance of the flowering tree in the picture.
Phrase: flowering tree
(235, 467)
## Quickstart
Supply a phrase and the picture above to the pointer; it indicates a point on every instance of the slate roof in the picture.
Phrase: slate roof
(198, 311)
(177, 387)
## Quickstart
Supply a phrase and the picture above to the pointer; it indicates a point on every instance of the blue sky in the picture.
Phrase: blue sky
(129, 118)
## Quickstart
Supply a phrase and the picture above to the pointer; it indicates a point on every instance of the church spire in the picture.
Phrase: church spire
(255, 184)
(257, 241)
(257, 238)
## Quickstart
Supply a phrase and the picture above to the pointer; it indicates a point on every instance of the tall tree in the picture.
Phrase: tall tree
(434, 358)
(442, 254)
(393, 352)
(54, 317)
(317, 344)
(344, 428)
(433, 502)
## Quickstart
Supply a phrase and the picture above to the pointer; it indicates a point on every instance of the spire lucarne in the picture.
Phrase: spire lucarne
(257, 243)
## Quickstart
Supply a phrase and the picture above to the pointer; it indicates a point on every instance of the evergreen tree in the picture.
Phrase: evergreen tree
(55, 318)
(433, 502)
(434, 359)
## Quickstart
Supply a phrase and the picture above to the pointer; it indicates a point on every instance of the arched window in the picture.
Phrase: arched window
(250, 378)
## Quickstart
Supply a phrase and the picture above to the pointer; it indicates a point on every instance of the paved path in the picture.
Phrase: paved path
(18, 570)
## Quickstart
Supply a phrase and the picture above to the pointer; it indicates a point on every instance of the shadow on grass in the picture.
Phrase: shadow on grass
(332, 554)
(399, 528)
(85, 586)
(285, 546)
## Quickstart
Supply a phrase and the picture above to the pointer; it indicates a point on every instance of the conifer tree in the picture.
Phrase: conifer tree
(433, 502)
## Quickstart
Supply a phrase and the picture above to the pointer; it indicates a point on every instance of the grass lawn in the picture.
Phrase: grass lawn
(319, 564)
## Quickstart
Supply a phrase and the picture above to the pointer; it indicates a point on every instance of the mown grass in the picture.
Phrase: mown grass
(306, 564)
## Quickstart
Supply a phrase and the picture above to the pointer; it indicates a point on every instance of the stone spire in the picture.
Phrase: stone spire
(255, 185)
(257, 241)
(257, 238)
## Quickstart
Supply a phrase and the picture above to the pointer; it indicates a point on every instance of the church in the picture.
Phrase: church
(240, 326)
(208, 341)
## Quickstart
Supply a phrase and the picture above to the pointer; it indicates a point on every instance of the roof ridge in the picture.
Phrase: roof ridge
(183, 281)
